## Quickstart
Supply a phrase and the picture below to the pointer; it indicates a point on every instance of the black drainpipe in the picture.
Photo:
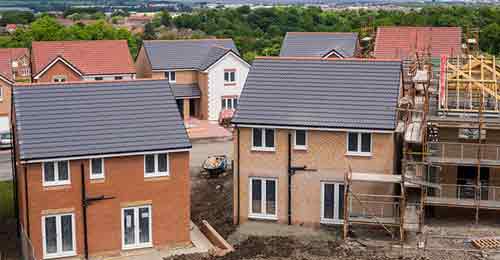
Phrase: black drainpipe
(290, 173)
(238, 176)
(84, 213)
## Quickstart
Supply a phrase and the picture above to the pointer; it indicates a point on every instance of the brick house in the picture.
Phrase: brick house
(62, 61)
(207, 75)
(94, 178)
(401, 42)
(320, 44)
(14, 66)
(301, 122)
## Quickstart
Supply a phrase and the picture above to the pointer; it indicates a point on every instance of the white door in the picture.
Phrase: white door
(332, 203)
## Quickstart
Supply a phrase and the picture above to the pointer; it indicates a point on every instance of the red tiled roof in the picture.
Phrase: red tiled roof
(89, 57)
(400, 42)
(7, 55)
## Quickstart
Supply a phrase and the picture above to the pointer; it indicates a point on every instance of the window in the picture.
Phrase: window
(229, 76)
(118, 77)
(56, 173)
(359, 143)
(263, 198)
(136, 227)
(58, 233)
(170, 75)
(97, 168)
(263, 139)
(1, 93)
(59, 78)
(98, 78)
(156, 165)
(300, 140)
(229, 103)
(332, 202)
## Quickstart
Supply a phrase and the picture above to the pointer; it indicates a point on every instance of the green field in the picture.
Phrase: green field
(6, 200)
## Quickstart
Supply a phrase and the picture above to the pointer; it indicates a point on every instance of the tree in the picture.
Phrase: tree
(149, 32)
(165, 18)
(16, 17)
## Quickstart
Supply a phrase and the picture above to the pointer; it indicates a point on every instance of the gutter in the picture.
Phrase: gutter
(84, 214)
(238, 176)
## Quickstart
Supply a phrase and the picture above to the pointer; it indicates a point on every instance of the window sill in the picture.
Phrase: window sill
(97, 180)
(56, 185)
(360, 154)
(263, 149)
(331, 221)
(229, 84)
(156, 175)
(262, 217)
(141, 246)
(59, 255)
(300, 148)
(157, 178)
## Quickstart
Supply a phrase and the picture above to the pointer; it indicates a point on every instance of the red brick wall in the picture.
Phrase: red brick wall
(59, 69)
(124, 180)
(5, 101)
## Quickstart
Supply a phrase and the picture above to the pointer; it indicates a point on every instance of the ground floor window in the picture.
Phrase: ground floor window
(263, 195)
(332, 202)
(58, 235)
(136, 227)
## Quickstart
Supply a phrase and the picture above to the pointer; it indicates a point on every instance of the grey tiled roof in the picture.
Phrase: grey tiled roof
(318, 44)
(187, 54)
(323, 93)
(82, 119)
(185, 90)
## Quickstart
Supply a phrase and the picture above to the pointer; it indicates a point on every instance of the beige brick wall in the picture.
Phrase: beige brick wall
(142, 65)
(326, 154)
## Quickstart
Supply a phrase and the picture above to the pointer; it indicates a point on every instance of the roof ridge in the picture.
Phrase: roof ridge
(72, 41)
(320, 58)
(321, 32)
(188, 40)
(73, 83)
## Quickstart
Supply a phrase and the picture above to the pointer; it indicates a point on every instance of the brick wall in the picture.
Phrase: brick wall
(326, 155)
(203, 84)
(142, 65)
(59, 68)
(6, 98)
(169, 198)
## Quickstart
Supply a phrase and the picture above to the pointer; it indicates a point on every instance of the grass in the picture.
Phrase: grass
(6, 199)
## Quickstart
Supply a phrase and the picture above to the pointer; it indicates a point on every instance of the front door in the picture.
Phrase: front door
(332, 202)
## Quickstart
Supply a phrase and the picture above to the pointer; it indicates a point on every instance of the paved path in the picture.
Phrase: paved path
(5, 165)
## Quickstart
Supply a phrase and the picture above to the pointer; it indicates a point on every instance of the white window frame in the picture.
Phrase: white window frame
(300, 147)
(96, 176)
(229, 77)
(1, 93)
(57, 182)
(136, 231)
(227, 100)
(157, 173)
(263, 215)
(58, 78)
(59, 237)
(336, 197)
(170, 73)
(263, 136)
(358, 152)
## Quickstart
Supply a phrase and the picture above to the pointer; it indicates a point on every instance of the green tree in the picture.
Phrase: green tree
(149, 32)
(165, 18)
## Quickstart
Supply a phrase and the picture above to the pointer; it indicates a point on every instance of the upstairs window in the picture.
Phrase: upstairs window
(56, 173)
(229, 76)
(263, 139)
(97, 168)
(300, 140)
(118, 77)
(229, 102)
(156, 165)
(1, 93)
(98, 78)
(170, 75)
(359, 143)
(59, 78)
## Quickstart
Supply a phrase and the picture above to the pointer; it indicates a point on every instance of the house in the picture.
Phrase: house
(61, 61)
(11, 28)
(102, 168)
(14, 66)
(401, 42)
(207, 75)
(320, 44)
(301, 123)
